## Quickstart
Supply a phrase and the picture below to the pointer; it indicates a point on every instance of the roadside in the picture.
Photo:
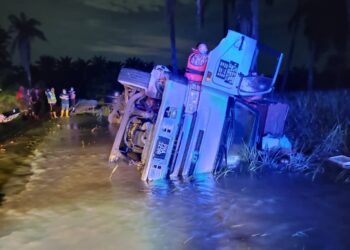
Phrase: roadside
(18, 152)
(18, 141)
(7, 101)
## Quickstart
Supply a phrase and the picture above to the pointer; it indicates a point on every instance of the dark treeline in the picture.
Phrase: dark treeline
(91, 78)
(98, 76)
(332, 76)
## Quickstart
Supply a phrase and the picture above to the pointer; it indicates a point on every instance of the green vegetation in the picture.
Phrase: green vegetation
(7, 101)
(318, 126)
(18, 140)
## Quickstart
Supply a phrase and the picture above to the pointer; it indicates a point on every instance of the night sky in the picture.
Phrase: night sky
(118, 29)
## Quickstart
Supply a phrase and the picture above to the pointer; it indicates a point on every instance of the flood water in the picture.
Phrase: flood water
(70, 202)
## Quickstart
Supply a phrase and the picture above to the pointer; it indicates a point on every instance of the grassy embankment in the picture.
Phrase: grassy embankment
(7, 101)
(318, 126)
(18, 139)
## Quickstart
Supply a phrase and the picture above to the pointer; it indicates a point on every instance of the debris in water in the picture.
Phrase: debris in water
(260, 235)
(94, 129)
(302, 233)
(341, 160)
(190, 238)
(237, 225)
(114, 169)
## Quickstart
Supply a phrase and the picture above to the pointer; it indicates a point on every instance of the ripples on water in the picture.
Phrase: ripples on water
(70, 203)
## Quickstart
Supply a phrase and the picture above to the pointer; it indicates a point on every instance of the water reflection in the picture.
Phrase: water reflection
(71, 203)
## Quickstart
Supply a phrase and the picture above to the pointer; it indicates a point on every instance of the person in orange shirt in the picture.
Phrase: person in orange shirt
(20, 97)
(196, 63)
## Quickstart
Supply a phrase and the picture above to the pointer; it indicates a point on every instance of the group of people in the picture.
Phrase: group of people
(67, 100)
(32, 101)
(29, 101)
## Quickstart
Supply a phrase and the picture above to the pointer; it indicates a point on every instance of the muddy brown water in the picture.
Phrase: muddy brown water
(69, 202)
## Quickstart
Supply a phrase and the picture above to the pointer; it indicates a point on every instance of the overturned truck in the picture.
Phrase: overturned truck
(173, 129)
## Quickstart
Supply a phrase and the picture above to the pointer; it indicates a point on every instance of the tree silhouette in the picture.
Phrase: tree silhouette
(46, 67)
(81, 64)
(65, 70)
(46, 63)
(137, 63)
(225, 15)
(199, 13)
(24, 31)
(293, 27)
(4, 41)
(64, 63)
(81, 76)
(325, 27)
(245, 14)
(170, 12)
(82, 67)
(98, 62)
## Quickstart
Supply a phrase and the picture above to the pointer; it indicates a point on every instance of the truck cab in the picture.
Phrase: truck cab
(193, 129)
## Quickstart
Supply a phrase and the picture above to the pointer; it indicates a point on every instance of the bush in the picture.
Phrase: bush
(314, 116)
(7, 101)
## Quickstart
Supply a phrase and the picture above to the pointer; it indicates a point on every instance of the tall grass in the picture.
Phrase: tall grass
(318, 126)
(315, 116)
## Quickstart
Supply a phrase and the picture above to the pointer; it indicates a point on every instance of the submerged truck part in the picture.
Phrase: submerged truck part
(197, 126)
(166, 130)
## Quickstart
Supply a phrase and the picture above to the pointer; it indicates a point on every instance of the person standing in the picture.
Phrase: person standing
(27, 102)
(36, 105)
(72, 97)
(51, 99)
(20, 97)
(195, 69)
(197, 63)
(64, 103)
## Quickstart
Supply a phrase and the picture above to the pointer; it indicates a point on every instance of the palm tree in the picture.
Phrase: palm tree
(81, 75)
(243, 16)
(170, 12)
(293, 26)
(98, 62)
(64, 63)
(246, 15)
(137, 63)
(65, 70)
(199, 13)
(81, 64)
(24, 31)
(81, 68)
(225, 15)
(47, 67)
(255, 19)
